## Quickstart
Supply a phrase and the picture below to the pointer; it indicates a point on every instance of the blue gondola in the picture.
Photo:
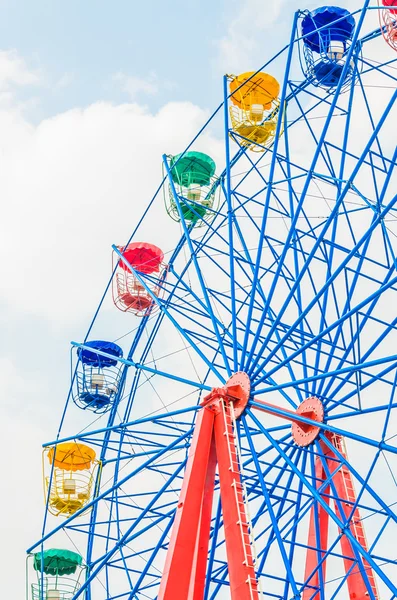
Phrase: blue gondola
(98, 376)
(327, 33)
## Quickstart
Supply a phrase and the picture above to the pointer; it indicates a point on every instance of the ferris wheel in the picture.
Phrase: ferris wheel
(240, 437)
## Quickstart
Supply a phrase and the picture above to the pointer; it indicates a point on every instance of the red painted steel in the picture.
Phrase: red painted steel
(213, 443)
(182, 552)
(238, 388)
(243, 584)
(304, 434)
(197, 583)
(317, 543)
(344, 487)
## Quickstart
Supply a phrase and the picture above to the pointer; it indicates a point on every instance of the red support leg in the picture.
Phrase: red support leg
(197, 583)
(358, 578)
(317, 548)
(182, 551)
(344, 487)
(213, 443)
(213, 440)
(243, 584)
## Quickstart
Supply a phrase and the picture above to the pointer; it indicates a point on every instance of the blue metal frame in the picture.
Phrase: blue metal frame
(293, 280)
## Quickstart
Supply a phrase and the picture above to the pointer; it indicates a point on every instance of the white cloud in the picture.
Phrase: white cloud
(135, 86)
(15, 72)
(237, 49)
(22, 496)
(14, 76)
(251, 30)
(72, 186)
(64, 81)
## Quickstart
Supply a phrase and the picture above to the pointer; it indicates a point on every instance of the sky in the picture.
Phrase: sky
(77, 53)
(91, 94)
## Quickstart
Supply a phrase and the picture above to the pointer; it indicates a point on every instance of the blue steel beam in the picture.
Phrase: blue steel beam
(356, 545)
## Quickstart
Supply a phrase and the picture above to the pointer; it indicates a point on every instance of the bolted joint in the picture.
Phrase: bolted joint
(214, 395)
(237, 390)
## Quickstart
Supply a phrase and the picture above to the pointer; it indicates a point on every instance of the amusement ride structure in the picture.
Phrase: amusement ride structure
(243, 445)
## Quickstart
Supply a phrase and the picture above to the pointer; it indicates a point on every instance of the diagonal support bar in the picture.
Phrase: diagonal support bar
(331, 472)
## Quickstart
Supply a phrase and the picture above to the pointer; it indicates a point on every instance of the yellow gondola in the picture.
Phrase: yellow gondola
(255, 109)
(71, 483)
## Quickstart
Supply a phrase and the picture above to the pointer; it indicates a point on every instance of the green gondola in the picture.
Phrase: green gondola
(53, 568)
(194, 182)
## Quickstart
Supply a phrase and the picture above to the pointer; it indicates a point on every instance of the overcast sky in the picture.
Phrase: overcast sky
(91, 94)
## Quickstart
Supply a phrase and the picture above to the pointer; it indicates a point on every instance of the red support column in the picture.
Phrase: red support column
(197, 583)
(182, 551)
(344, 487)
(317, 548)
(213, 443)
(304, 434)
(243, 584)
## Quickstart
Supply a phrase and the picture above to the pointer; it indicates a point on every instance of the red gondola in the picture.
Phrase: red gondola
(388, 21)
(129, 293)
